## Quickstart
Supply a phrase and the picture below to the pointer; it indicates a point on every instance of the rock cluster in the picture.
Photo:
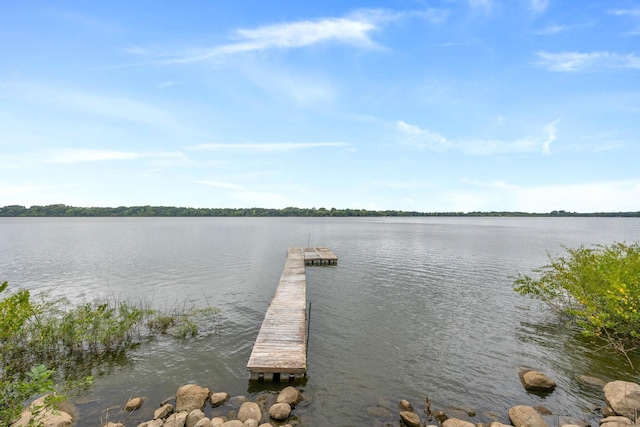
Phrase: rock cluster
(622, 397)
(192, 399)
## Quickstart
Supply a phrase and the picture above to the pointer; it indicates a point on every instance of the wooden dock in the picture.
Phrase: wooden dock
(280, 350)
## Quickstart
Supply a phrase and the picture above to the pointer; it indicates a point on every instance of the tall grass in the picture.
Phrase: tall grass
(74, 340)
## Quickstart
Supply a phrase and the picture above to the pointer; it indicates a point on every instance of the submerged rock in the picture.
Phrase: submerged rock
(289, 395)
(537, 381)
(218, 399)
(134, 404)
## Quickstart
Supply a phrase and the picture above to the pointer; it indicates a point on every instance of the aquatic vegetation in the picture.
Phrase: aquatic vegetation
(598, 287)
(43, 339)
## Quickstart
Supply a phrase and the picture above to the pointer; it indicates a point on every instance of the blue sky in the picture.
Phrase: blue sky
(448, 105)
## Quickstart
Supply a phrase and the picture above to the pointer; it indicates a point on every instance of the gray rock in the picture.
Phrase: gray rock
(379, 412)
(152, 423)
(280, 411)
(233, 423)
(537, 381)
(218, 399)
(288, 395)
(163, 412)
(193, 418)
(110, 424)
(589, 380)
(410, 419)
(526, 416)
(237, 401)
(623, 397)
(134, 404)
(266, 425)
(190, 397)
(249, 410)
(250, 423)
(454, 422)
(497, 424)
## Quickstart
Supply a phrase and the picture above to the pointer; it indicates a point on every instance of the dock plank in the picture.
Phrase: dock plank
(281, 344)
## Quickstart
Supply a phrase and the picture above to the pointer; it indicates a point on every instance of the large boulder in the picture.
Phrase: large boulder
(537, 381)
(288, 395)
(50, 418)
(623, 397)
(410, 419)
(233, 423)
(454, 422)
(280, 411)
(190, 397)
(526, 416)
(250, 410)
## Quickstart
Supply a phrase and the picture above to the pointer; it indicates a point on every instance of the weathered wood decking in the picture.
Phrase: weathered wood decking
(280, 350)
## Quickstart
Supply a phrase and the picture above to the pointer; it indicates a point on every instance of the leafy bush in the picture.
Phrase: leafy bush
(599, 287)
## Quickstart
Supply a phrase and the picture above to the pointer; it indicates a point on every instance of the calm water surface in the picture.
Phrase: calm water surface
(416, 307)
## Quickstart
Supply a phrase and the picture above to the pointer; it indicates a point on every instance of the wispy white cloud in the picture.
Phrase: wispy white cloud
(627, 12)
(93, 155)
(415, 136)
(354, 30)
(264, 147)
(552, 130)
(551, 29)
(579, 61)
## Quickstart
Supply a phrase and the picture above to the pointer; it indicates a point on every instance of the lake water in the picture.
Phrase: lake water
(416, 307)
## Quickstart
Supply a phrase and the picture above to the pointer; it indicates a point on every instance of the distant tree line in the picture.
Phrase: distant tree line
(61, 210)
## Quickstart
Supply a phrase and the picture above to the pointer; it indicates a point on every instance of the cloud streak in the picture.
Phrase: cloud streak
(354, 30)
(265, 147)
(424, 139)
(579, 61)
(88, 155)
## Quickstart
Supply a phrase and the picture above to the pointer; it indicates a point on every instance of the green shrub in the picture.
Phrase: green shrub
(598, 287)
